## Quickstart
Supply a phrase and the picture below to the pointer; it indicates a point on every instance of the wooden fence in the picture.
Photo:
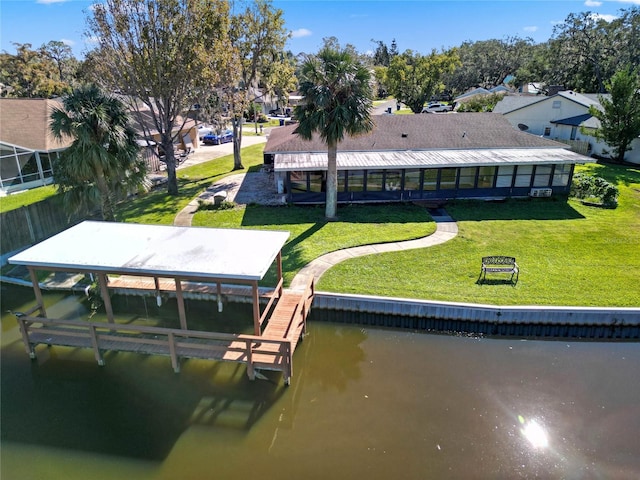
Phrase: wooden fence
(33, 223)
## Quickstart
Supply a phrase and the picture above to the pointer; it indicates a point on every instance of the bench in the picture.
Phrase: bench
(499, 264)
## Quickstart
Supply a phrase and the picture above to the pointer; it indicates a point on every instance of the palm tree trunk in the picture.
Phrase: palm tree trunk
(106, 202)
(332, 182)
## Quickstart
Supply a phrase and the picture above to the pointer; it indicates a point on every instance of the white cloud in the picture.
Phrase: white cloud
(606, 18)
(592, 3)
(48, 2)
(68, 42)
(531, 29)
(301, 32)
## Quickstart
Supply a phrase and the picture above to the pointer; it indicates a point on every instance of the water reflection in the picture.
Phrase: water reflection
(535, 434)
(364, 403)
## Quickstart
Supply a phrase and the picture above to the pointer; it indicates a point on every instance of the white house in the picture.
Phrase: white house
(563, 117)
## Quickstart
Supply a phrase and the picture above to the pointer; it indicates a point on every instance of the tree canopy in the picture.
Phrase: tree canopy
(258, 36)
(102, 163)
(160, 54)
(338, 99)
(620, 115)
(413, 78)
(38, 73)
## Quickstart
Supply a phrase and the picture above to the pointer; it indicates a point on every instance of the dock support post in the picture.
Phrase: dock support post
(24, 332)
(37, 291)
(251, 371)
(96, 348)
(104, 291)
(181, 310)
(256, 309)
(175, 361)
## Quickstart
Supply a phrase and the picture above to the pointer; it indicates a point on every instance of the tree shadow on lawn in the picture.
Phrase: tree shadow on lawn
(257, 215)
(616, 173)
(513, 209)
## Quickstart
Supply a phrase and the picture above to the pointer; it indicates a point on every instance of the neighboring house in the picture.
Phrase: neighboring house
(424, 157)
(481, 91)
(563, 117)
(27, 147)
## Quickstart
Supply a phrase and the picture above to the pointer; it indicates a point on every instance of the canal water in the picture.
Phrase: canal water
(364, 403)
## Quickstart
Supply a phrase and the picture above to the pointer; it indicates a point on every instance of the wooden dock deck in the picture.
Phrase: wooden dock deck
(272, 350)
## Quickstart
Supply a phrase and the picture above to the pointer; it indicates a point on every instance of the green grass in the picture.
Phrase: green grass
(312, 236)
(157, 207)
(568, 253)
(27, 197)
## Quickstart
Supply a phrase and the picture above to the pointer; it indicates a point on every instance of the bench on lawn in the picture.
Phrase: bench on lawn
(499, 264)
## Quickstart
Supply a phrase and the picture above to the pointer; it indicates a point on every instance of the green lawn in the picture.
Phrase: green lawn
(312, 236)
(568, 253)
(157, 207)
(27, 197)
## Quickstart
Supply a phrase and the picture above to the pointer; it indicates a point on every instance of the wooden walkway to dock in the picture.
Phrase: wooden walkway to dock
(272, 350)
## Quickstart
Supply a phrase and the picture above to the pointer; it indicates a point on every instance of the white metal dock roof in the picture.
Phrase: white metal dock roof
(137, 249)
(302, 161)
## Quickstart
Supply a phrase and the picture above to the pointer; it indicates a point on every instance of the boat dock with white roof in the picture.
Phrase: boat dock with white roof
(169, 258)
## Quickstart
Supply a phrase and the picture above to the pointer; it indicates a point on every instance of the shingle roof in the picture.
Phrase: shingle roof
(459, 131)
(24, 122)
(585, 120)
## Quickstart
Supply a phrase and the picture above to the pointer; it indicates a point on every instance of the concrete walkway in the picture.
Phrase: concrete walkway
(446, 229)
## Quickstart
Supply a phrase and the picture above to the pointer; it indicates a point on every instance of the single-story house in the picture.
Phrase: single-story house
(563, 117)
(27, 147)
(424, 157)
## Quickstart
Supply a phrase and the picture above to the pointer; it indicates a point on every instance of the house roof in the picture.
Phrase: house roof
(284, 162)
(586, 120)
(24, 122)
(419, 141)
(454, 131)
(511, 103)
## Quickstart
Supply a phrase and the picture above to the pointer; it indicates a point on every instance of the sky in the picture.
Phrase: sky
(419, 25)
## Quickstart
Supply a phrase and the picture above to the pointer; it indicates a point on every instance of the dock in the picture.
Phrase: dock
(157, 260)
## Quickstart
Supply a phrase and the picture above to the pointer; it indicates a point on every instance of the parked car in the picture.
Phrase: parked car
(204, 130)
(437, 108)
(218, 138)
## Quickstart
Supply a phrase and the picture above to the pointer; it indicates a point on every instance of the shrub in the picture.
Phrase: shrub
(588, 187)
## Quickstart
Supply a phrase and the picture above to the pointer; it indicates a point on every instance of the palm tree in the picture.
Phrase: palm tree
(337, 101)
(102, 163)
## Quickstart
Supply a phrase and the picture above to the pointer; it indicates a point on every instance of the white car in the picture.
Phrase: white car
(204, 130)
(437, 108)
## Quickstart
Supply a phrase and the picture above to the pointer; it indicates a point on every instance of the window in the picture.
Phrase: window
(316, 182)
(392, 180)
(523, 175)
(467, 177)
(547, 131)
(505, 176)
(448, 178)
(557, 104)
(298, 181)
(355, 179)
(574, 131)
(412, 180)
(375, 179)
(542, 176)
(430, 179)
(341, 180)
(485, 177)
(561, 175)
